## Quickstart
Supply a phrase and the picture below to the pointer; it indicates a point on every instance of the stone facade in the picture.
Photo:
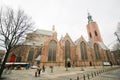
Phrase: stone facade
(63, 52)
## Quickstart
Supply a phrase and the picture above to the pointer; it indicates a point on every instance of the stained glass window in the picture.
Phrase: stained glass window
(97, 53)
(52, 51)
(83, 51)
(67, 50)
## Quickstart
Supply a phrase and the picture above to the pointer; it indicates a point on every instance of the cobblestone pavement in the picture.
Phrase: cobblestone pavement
(59, 73)
(111, 75)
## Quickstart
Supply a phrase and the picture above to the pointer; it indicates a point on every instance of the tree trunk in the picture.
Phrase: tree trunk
(3, 63)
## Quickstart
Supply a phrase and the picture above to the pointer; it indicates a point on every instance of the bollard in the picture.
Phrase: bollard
(70, 78)
(88, 76)
(77, 77)
(97, 73)
(35, 74)
(92, 75)
(100, 71)
(83, 77)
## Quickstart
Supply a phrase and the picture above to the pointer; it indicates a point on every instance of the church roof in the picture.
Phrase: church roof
(90, 42)
(103, 46)
(77, 41)
(43, 32)
(34, 43)
(81, 38)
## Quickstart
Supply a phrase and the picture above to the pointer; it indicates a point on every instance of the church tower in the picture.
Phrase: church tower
(93, 30)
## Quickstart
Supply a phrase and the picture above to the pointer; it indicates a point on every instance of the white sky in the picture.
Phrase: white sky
(70, 16)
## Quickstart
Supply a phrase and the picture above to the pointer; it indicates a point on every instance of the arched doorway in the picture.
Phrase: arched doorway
(90, 63)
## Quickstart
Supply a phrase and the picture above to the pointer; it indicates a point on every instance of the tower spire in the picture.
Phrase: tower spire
(89, 18)
(53, 28)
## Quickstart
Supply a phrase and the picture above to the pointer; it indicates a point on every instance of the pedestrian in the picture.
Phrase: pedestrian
(36, 73)
(39, 70)
(43, 68)
(111, 63)
(27, 66)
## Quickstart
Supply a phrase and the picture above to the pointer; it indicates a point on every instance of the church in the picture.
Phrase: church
(41, 47)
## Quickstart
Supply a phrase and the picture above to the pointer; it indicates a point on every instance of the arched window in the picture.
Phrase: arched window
(90, 35)
(83, 51)
(67, 50)
(30, 56)
(96, 33)
(52, 51)
(97, 53)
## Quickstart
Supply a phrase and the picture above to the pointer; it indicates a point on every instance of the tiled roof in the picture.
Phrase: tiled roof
(34, 43)
(103, 46)
(90, 42)
(43, 32)
(76, 42)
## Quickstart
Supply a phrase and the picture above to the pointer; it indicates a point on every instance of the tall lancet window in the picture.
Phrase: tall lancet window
(67, 50)
(52, 51)
(30, 56)
(83, 51)
(97, 52)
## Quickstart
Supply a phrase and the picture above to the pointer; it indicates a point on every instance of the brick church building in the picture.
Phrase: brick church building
(43, 47)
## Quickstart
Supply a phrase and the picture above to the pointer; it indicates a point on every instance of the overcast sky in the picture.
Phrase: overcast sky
(70, 16)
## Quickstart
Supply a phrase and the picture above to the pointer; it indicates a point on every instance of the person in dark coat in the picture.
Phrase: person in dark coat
(39, 70)
(43, 68)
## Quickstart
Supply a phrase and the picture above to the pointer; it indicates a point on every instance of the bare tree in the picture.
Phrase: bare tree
(117, 33)
(116, 45)
(13, 27)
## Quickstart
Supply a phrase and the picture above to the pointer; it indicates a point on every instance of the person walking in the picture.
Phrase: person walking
(43, 68)
(39, 70)
(36, 72)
